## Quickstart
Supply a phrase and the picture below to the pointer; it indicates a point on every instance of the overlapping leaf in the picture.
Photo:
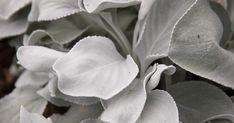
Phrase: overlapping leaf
(27, 117)
(198, 102)
(78, 113)
(195, 45)
(10, 7)
(37, 58)
(100, 5)
(15, 25)
(127, 106)
(55, 95)
(93, 68)
(156, 21)
(57, 32)
(42, 9)
(27, 96)
(159, 108)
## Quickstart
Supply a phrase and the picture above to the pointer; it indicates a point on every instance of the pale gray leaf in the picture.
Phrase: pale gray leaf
(15, 25)
(156, 21)
(37, 58)
(28, 78)
(55, 93)
(160, 107)
(27, 97)
(46, 94)
(10, 7)
(195, 45)
(27, 117)
(93, 67)
(126, 107)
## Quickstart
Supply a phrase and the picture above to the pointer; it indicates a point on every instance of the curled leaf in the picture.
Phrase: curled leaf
(93, 67)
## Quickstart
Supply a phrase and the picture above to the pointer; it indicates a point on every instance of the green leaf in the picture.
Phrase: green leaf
(199, 102)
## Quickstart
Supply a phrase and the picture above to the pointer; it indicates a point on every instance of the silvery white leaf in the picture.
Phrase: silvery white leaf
(15, 25)
(77, 113)
(155, 78)
(100, 5)
(27, 117)
(37, 58)
(55, 93)
(93, 68)
(10, 7)
(198, 102)
(156, 21)
(61, 31)
(45, 93)
(195, 45)
(28, 78)
(92, 121)
(44, 10)
(160, 107)
(126, 107)
(26, 96)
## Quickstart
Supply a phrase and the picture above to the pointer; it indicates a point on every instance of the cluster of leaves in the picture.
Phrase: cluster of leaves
(120, 61)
